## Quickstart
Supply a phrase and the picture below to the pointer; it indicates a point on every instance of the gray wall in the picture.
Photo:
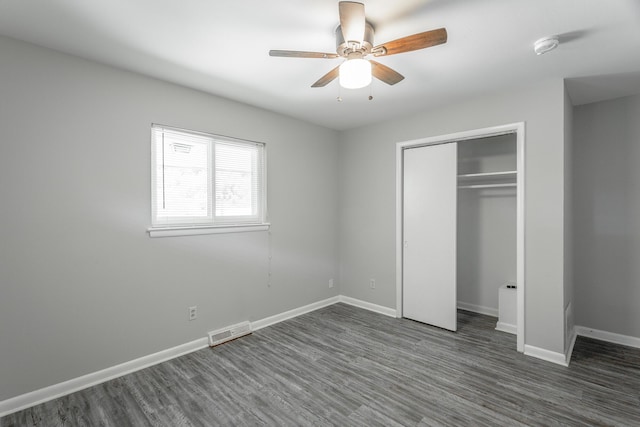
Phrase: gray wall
(486, 245)
(367, 198)
(607, 215)
(83, 287)
(486, 231)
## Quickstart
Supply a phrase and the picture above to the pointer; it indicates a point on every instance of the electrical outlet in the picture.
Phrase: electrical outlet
(372, 283)
(330, 283)
(193, 312)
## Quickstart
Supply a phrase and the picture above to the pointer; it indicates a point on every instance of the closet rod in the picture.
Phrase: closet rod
(487, 185)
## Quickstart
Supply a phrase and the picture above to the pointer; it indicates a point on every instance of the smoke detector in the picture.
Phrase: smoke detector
(545, 45)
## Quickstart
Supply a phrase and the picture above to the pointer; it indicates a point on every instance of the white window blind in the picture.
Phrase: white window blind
(238, 168)
(201, 179)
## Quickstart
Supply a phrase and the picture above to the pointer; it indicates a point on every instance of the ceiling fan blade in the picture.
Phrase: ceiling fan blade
(302, 54)
(414, 42)
(327, 78)
(384, 73)
(352, 21)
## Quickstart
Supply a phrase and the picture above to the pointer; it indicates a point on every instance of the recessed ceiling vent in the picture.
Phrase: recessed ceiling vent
(545, 44)
(229, 333)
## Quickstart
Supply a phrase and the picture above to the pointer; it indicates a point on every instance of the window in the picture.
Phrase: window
(204, 181)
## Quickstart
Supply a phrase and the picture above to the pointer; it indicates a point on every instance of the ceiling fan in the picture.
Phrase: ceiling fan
(354, 41)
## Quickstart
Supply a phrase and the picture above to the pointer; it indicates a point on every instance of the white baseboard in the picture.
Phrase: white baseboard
(549, 356)
(391, 312)
(277, 318)
(611, 337)
(36, 397)
(552, 356)
(45, 394)
(478, 309)
(507, 327)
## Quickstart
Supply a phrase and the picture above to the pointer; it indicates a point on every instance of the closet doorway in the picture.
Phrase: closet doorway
(451, 191)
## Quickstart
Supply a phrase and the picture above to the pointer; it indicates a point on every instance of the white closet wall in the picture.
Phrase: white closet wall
(486, 242)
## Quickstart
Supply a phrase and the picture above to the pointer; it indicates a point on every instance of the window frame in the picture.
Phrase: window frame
(211, 223)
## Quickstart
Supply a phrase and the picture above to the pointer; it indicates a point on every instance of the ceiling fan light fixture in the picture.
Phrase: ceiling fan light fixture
(355, 73)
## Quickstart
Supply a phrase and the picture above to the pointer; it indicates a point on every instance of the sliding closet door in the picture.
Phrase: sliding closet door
(429, 232)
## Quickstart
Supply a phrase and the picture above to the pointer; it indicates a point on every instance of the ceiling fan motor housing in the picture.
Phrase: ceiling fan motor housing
(343, 48)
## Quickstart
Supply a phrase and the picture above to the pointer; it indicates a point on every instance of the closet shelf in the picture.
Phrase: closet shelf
(488, 175)
(511, 184)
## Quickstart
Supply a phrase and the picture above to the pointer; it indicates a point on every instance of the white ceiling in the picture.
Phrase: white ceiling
(222, 48)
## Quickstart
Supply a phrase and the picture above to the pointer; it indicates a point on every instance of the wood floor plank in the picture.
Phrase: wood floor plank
(349, 367)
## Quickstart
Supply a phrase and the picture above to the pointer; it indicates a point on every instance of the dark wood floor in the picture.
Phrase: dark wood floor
(349, 367)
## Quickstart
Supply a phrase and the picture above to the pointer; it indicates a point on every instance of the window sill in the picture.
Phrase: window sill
(205, 229)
